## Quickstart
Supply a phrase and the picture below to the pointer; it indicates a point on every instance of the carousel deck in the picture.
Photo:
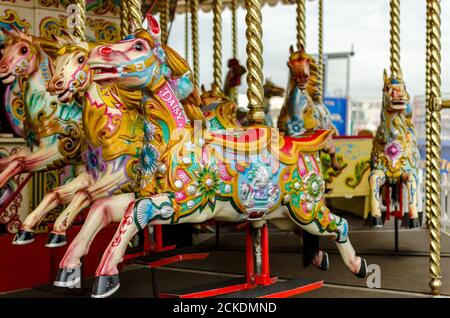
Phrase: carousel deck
(404, 274)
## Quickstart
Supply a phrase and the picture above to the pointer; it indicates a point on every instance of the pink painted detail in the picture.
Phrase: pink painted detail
(223, 172)
(205, 157)
(180, 196)
(286, 176)
(314, 164)
(303, 204)
(168, 97)
(183, 176)
(302, 166)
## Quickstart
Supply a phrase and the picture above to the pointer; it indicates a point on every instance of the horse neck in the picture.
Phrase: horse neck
(163, 111)
(394, 121)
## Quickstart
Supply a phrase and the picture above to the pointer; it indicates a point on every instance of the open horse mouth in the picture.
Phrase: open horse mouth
(64, 96)
(398, 103)
(5, 78)
(104, 72)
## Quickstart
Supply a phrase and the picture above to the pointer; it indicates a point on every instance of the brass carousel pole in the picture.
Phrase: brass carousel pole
(234, 27)
(195, 48)
(164, 21)
(80, 18)
(395, 37)
(301, 24)
(134, 14)
(217, 45)
(427, 115)
(124, 26)
(186, 32)
(255, 91)
(434, 146)
(320, 77)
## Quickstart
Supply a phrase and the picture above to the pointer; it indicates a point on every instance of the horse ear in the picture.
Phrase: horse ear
(385, 76)
(400, 74)
(291, 49)
(203, 89)
(8, 33)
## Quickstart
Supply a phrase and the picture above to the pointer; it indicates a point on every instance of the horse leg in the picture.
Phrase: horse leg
(338, 230)
(158, 209)
(376, 179)
(51, 200)
(82, 199)
(318, 258)
(411, 184)
(36, 161)
(4, 161)
(102, 213)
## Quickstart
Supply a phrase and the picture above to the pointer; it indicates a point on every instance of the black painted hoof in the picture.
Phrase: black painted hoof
(105, 286)
(23, 237)
(68, 277)
(362, 273)
(377, 222)
(56, 240)
(325, 264)
(414, 223)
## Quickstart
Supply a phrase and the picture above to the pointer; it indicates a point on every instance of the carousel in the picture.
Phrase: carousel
(121, 173)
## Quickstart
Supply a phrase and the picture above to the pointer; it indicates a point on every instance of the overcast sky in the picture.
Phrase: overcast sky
(362, 23)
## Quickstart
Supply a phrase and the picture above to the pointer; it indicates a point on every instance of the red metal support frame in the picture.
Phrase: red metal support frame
(15, 193)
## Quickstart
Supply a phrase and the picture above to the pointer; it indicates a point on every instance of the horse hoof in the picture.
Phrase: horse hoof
(56, 240)
(325, 264)
(105, 286)
(414, 223)
(23, 237)
(68, 277)
(362, 273)
(377, 222)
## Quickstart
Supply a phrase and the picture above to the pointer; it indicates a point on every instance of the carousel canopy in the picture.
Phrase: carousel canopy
(206, 5)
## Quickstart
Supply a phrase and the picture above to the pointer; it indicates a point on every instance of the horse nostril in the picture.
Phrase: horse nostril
(59, 84)
(3, 68)
(104, 50)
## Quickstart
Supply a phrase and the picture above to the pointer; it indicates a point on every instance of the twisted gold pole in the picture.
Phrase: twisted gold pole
(427, 115)
(255, 92)
(134, 15)
(217, 45)
(186, 33)
(301, 24)
(320, 78)
(80, 18)
(395, 37)
(434, 149)
(194, 30)
(124, 26)
(234, 27)
(164, 21)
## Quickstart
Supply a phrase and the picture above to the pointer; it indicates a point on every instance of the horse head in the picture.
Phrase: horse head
(71, 72)
(20, 57)
(395, 96)
(235, 72)
(271, 90)
(135, 62)
(299, 65)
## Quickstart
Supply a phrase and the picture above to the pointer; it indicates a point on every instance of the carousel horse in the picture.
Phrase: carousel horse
(188, 177)
(303, 110)
(52, 129)
(113, 131)
(270, 90)
(395, 154)
(233, 78)
(219, 111)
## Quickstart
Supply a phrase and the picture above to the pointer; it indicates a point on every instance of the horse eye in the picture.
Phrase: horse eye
(81, 59)
(138, 46)
(23, 50)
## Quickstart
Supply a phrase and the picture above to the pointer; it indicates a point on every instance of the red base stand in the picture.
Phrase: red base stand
(257, 283)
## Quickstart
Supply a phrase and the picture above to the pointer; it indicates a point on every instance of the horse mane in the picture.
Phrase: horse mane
(179, 67)
(312, 87)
